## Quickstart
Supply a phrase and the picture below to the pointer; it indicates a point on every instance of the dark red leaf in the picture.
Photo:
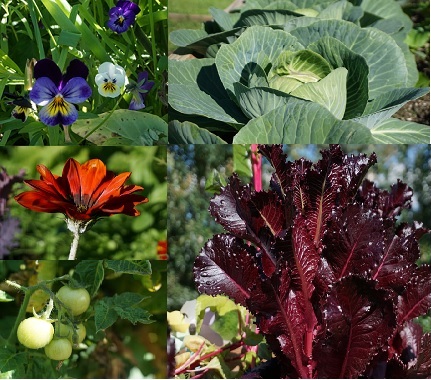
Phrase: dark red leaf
(353, 243)
(226, 266)
(416, 299)
(358, 322)
(387, 204)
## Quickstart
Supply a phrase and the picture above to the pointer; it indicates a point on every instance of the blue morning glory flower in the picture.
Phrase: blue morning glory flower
(59, 93)
(139, 91)
(122, 16)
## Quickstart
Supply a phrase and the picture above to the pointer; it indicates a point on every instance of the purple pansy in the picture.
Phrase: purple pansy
(122, 16)
(139, 91)
(59, 93)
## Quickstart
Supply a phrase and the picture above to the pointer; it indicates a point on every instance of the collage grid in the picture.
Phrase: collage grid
(215, 189)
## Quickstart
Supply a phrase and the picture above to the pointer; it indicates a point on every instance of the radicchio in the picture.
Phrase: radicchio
(321, 262)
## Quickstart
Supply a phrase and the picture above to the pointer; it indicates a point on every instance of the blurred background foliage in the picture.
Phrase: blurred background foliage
(190, 224)
(123, 350)
(117, 237)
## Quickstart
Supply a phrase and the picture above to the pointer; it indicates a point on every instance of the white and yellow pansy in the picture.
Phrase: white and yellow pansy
(110, 79)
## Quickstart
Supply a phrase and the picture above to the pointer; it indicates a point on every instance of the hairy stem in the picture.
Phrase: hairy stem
(21, 315)
(74, 246)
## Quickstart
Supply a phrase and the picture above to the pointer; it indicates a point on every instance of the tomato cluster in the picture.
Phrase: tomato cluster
(38, 332)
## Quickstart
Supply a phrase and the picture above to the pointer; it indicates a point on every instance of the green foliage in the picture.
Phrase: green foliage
(67, 29)
(120, 236)
(118, 326)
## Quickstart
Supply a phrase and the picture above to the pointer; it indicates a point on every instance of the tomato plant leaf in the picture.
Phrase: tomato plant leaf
(90, 274)
(134, 314)
(12, 361)
(142, 267)
(104, 315)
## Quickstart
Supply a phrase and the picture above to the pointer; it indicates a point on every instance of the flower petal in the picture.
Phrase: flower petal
(93, 172)
(109, 89)
(124, 205)
(137, 102)
(41, 202)
(47, 68)
(110, 188)
(53, 180)
(129, 6)
(72, 172)
(43, 91)
(142, 76)
(58, 112)
(105, 67)
(75, 69)
(76, 90)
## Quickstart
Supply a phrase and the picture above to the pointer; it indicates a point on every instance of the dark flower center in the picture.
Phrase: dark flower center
(58, 104)
(119, 21)
(109, 86)
(81, 208)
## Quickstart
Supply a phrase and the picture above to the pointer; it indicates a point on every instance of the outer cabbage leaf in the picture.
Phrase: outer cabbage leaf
(301, 122)
(194, 88)
(394, 131)
(189, 133)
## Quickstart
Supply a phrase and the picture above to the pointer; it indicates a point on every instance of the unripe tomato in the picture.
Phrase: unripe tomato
(77, 300)
(35, 332)
(66, 331)
(59, 349)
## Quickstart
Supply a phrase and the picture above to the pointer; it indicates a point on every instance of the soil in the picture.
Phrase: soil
(417, 111)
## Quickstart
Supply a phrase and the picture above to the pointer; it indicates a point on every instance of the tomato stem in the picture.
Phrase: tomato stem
(21, 315)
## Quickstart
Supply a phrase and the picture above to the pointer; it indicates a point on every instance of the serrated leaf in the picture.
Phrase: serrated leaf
(13, 361)
(90, 275)
(104, 315)
(127, 299)
(142, 267)
(134, 314)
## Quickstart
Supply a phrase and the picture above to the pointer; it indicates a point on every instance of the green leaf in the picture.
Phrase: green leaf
(127, 299)
(104, 315)
(90, 275)
(227, 325)
(132, 267)
(394, 131)
(304, 65)
(301, 122)
(241, 160)
(338, 55)
(12, 361)
(266, 17)
(134, 315)
(384, 106)
(385, 59)
(215, 182)
(258, 46)
(218, 304)
(251, 338)
(190, 133)
(258, 101)
(140, 127)
(190, 84)
(330, 92)
(4, 297)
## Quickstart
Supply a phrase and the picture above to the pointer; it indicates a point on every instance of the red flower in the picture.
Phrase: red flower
(162, 250)
(83, 192)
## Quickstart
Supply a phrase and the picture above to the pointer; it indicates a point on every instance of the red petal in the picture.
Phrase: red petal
(93, 172)
(53, 180)
(41, 202)
(72, 172)
(109, 189)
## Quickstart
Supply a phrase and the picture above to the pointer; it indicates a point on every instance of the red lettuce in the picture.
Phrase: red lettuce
(321, 262)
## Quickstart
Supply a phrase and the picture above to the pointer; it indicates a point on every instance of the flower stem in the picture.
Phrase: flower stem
(102, 122)
(74, 246)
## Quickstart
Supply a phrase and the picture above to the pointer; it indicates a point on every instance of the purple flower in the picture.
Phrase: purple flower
(58, 93)
(139, 91)
(122, 16)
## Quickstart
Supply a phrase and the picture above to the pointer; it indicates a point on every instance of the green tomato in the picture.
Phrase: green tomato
(35, 332)
(66, 331)
(77, 300)
(59, 349)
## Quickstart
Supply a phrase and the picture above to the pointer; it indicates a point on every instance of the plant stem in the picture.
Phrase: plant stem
(102, 122)
(21, 315)
(74, 246)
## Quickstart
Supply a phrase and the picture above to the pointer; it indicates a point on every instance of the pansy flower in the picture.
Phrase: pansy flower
(22, 109)
(83, 192)
(59, 93)
(139, 91)
(110, 79)
(122, 16)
